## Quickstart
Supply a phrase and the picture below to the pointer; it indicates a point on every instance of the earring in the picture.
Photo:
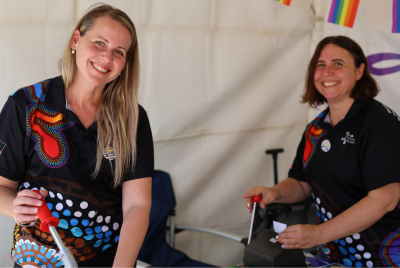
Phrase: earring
(73, 51)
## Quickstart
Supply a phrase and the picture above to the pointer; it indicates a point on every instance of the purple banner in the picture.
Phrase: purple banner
(375, 58)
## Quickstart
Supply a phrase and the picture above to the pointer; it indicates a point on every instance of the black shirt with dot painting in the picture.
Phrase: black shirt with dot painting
(342, 164)
(44, 145)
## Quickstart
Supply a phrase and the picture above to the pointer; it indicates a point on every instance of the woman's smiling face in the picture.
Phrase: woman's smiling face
(336, 74)
(101, 53)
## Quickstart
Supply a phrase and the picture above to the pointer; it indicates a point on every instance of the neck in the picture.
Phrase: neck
(339, 110)
(83, 94)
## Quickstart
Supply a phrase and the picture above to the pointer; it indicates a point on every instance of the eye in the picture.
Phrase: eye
(320, 65)
(99, 43)
(119, 52)
(338, 64)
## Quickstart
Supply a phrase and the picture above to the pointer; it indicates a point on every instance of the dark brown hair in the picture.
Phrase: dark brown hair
(366, 87)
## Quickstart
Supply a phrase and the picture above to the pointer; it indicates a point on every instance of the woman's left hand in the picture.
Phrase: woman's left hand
(300, 236)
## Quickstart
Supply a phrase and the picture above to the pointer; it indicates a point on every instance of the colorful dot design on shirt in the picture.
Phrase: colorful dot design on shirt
(353, 252)
(44, 126)
(389, 251)
(313, 133)
(93, 227)
(29, 254)
(83, 230)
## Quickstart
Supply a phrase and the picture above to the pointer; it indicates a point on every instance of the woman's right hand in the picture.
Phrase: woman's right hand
(25, 205)
(268, 195)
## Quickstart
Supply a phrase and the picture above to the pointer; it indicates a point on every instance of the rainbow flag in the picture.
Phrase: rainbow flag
(396, 17)
(286, 2)
(343, 12)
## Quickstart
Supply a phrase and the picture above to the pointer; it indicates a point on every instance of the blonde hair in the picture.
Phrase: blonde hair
(118, 112)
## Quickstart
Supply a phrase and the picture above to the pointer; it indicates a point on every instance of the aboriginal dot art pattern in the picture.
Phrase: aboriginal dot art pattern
(29, 254)
(45, 126)
(389, 250)
(17, 229)
(313, 133)
(350, 251)
(85, 228)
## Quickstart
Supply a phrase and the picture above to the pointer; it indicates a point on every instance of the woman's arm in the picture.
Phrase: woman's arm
(357, 218)
(8, 192)
(136, 204)
(292, 191)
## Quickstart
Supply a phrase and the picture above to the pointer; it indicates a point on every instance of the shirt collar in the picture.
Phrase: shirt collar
(328, 118)
(67, 106)
(55, 99)
(356, 107)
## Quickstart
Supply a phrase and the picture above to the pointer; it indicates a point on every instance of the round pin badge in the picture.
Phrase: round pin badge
(326, 145)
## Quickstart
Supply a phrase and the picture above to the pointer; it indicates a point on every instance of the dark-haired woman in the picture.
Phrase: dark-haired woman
(349, 160)
(85, 143)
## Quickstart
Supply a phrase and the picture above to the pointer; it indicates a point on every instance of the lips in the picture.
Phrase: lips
(99, 68)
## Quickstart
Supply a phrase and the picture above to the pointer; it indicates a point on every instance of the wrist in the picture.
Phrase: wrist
(321, 235)
(279, 194)
(29, 224)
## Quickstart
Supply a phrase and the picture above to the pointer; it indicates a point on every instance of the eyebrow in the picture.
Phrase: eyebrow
(109, 42)
(332, 60)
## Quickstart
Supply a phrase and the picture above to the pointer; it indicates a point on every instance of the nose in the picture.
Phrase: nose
(107, 55)
(328, 71)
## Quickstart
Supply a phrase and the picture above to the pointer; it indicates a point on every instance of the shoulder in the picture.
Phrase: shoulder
(142, 111)
(35, 93)
(143, 120)
(377, 119)
(377, 113)
(142, 114)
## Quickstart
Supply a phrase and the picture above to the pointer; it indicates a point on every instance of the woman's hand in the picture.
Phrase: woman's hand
(300, 236)
(268, 195)
(25, 205)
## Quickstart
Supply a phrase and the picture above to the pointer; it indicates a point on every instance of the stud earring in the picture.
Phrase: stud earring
(73, 51)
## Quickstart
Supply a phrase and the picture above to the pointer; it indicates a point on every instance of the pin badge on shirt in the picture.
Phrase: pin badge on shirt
(109, 153)
(326, 145)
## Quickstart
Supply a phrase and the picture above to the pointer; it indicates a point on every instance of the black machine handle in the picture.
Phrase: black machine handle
(275, 153)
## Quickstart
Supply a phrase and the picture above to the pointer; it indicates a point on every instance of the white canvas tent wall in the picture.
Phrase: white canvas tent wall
(221, 81)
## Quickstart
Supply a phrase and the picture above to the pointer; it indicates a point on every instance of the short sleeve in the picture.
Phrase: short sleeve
(380, 154)
(144, 166)
(296, 170)
(13, 160)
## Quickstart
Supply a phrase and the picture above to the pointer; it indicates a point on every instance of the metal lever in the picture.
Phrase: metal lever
(49, 223)
(66, 254)
(255, 199)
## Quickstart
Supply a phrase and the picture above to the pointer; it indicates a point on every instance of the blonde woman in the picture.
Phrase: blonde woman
(84, 141)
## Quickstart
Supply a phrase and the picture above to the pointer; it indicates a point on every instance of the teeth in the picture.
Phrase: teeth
(327, 84)
(99, 68)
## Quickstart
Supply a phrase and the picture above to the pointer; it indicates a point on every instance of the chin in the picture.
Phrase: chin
(100, 82)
